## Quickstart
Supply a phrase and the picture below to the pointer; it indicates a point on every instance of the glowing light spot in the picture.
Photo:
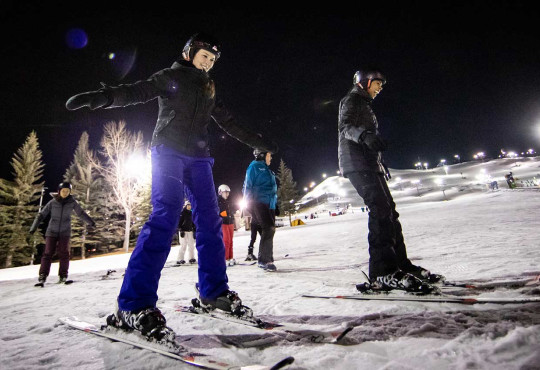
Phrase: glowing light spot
(111, 56)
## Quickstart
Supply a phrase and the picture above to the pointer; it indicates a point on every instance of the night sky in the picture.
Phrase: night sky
(462, 77)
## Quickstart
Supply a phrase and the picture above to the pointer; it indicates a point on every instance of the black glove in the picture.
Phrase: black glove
(373, 141)
(92, 99)
(182, 234)
(32, 230)
(277, 212)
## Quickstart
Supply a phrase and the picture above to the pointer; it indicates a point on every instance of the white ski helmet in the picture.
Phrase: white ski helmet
(187, 203)
(222, 188)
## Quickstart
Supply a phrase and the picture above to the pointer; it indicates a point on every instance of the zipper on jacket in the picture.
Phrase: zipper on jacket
(193, 119)
(61, 215)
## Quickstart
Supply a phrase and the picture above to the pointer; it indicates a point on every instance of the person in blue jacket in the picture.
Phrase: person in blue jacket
(180, 159)
(260, 194)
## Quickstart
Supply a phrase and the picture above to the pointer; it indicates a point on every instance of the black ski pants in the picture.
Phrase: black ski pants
(255, 228)
(387, 251)
(266, 218)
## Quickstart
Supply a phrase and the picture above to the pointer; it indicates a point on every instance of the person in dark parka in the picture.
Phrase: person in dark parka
(58, 232)
(186, 235)
(360, 160)
(180, 159)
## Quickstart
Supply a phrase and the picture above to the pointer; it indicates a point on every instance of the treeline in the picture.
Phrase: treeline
(112, 185)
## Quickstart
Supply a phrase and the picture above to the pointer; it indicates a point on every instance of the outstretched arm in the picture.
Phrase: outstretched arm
(228, 123)
(159, 84)
(83, 215)
(40, 217)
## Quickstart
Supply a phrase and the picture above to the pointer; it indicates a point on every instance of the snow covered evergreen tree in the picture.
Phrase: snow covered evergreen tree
(87, 184)
(18, 206)
(287, 193)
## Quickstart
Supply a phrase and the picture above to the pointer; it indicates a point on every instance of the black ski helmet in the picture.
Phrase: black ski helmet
(259, 154)
(364, 77)
(201, 41)
(64, 185)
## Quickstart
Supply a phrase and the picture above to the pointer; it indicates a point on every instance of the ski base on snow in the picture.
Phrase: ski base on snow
(315, 336)
(177, 352)
(408, 297)
(42, 285)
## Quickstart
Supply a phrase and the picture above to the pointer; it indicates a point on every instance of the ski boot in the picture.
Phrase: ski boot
(402, 281)
(267, 266)
(150, 322)
(231, 262)
(250, 255)
(181, 262)
(41, 281)
(62, 279)
(227, 301)
(192, 261)
(423, 274)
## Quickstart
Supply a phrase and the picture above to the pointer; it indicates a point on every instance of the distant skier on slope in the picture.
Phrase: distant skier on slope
(260, 194)
(180, 157)
(360, 147)
(227, 218)
(58, 233)
(186, 234)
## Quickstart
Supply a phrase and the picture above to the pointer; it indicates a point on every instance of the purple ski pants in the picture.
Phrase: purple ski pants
(171, 173)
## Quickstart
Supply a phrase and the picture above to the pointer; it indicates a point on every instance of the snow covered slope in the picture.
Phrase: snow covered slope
(479, 234)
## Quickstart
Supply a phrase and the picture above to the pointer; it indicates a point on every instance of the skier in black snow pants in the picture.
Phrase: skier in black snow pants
(58, 233)
(360, 147)
(180, 159)
(260, 193)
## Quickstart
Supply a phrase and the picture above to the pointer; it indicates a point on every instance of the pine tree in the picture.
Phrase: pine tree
(87, 184)
(287, 192)
(18, 204)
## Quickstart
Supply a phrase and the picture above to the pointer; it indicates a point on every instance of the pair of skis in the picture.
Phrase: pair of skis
(313, 335)
(185, 354)
(42, 284)
(172, 350)
(445, 295)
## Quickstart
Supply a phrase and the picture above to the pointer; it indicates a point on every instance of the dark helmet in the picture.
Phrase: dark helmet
(364, 77)
(201, 41)
(259, 154)
(64, 185)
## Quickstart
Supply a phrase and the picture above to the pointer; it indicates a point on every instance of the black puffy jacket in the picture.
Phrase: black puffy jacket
(225, 211)
(185, 109)
(60, 211)
(186, 220)
(355, 117)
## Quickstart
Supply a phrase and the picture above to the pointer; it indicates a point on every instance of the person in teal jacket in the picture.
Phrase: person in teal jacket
(260, 194)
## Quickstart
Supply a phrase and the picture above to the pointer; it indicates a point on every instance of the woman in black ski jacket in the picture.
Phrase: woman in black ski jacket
(58, 233)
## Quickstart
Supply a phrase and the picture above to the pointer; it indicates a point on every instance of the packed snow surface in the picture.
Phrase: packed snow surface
(467, 233)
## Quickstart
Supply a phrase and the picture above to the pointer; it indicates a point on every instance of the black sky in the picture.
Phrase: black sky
(462, 76)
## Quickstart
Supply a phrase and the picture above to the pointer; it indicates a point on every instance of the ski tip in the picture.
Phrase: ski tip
(281, 364)
(343, 334)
